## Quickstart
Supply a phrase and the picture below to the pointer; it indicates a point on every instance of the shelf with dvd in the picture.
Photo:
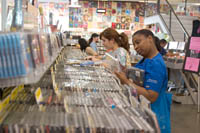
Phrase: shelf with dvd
(90, 101)
(25, 57)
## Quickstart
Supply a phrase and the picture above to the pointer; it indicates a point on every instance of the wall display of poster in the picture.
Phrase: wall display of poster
(192, 58)
(118, 14)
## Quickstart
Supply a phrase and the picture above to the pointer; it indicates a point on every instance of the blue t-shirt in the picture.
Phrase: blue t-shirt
(156, 79)
(93, 46)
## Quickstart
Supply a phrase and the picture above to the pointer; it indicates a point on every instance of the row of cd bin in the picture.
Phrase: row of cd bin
(87, 99)
(24, 57)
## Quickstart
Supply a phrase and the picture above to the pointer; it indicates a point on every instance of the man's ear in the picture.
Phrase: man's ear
(150, 38)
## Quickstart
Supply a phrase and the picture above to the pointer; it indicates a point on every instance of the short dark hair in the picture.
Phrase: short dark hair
(163, 41)
(147, 33)
(83, 44)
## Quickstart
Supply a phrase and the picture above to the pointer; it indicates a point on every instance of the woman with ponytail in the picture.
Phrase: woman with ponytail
(155, 80)
(93, 41)
(117, 44)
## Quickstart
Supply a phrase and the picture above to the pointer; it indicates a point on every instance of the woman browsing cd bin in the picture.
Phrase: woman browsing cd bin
(155, 80)
(117, 46)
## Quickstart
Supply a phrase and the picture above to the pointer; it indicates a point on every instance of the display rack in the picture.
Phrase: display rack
(192, 64)
(71, 98)
(25, 57)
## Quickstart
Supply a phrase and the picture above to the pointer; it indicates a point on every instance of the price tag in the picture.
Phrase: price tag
(38, 95)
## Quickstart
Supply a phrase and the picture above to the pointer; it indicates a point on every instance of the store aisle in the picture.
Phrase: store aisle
(185, 119)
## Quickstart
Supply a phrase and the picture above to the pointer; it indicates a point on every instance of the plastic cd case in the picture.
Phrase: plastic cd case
(136, 75)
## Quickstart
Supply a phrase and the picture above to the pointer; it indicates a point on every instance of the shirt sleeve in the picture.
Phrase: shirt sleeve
(93, 46)
(154, 76)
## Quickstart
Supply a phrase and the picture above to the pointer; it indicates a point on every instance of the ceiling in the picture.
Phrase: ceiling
(154, 1)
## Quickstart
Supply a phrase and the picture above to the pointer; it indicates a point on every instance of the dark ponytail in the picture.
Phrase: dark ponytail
(83, 44)
(157, 43)
(124, 41)
(92, 36)
(147, 33)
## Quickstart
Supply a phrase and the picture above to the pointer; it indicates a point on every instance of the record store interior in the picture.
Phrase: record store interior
(99, 66)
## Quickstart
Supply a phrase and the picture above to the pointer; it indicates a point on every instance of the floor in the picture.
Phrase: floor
(185, 119)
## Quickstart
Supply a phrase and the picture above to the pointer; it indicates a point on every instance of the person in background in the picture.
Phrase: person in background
(117, 44)
(155, 80)
(93, 41)
(163, 43)
(84, 46)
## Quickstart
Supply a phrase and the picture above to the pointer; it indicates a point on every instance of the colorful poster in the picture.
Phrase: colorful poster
(128, 12)
(113, 25)
(114, 19)
(90, 25)
(136, 19)
(141, 19)
(119, 11)
(119, 4)
(123, 19)
(85, 4)
(192, 64)
(114, 5)
(114, 12)
(101, 4)
(118, 19)
(93, 4)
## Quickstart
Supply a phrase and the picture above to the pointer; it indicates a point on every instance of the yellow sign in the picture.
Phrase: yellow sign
(38, 95)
